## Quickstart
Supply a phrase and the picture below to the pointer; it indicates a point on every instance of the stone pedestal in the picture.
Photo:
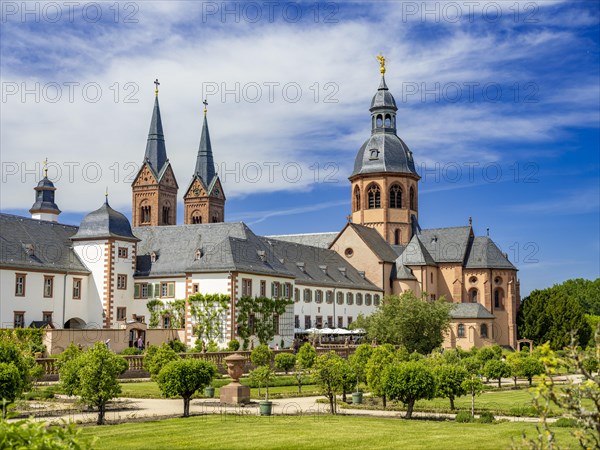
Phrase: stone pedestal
(235, 393)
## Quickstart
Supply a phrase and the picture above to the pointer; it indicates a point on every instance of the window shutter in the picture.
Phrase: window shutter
(171, 289)
(157, 293)
(136, 290)
(272, 289)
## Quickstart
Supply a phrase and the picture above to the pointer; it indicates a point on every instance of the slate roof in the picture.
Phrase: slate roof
(205, 165)
(318, 266)
(30, 243)
(401, 272)
(375, 242)
(470, 311)
(322, 240)
(484, 253)
(224, 246)
(383, 98)
(44, 197)
(103, 223)
(447, 245)
(415, 254)
(156, 150)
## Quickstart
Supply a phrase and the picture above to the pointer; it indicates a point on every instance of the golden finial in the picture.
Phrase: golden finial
(381, 60)
(157, 84)
(205, 103)
(46, 168)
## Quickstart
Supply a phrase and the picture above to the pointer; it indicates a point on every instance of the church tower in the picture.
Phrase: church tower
(384, 180)
(154, 190)
(44, 207)
(204, 200)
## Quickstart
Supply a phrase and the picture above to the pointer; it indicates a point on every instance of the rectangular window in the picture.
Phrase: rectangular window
(77, 288)
(195, 288)
(276, 323)
(167, 289)
(123, 252)
(48, 286)
(47, 317)
(319, 322)
(330, 321)
(121, 313)
(296, 295)
(306, 322)
(246, 287)
(274, 290)
(166, 321)
(20, 284)
(340, 322)
(144, 290)
(349, 321)
(19, 321)
(121, 281)
(263, 288)
(296, 321)
(287, 290)
(433, 297)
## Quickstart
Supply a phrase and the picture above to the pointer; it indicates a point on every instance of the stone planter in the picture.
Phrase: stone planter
(357, 398)
(265, 407)
(209, 392)
(235, 393)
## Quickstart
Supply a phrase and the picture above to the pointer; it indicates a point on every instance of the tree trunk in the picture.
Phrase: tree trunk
(409, 408)
(451, 403)
(299, 387)
(384, 401)
(472, 402)
(101, 412)
(515, 378)
(344, 396)
(499, 382)
(186, 406)
(530, 381)
(331, 404)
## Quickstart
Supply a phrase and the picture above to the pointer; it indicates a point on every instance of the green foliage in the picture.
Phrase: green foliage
(158, 357)
(486, 354)
(529, 367)
(155, 307)
(306, 357)
(263, 309)
(212, 347)
(381, 358)
(93, 376)
(472, 364)
(566, 422)
(184, 377)
(496, 369)
(131, 351)
(348, 378)
(285, 361)
(29, 340)
(486, 417)
(177, 346)
(261, 355)
(262, 376)
(359, 360)
(16, 372)
(550, 315)
(463, 417)
(328, 374)
(176, 309)
(449, 380)
(37, 435)
(417, 324)
(586, 292)
(233, 345)
(209, 312)
(71, 352)
(409, 382)
(474, 386)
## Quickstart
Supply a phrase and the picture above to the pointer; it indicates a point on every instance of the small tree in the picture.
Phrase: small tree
(184, 377)
(261, 355)
(305, 360)
(529, 367)
(449, 381)
(93, 376)
(158, 357)
(474, 386)
(71, 352)
(16, 372)
(209, 312)
(285, 362)
(409, 382)
(359, 360)
(348, 378)
(328, 373)
(262, 376)
(381, 358)
(496, 369)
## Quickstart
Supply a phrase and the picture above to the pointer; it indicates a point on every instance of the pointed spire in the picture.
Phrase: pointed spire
(205, 165)
(156, 151)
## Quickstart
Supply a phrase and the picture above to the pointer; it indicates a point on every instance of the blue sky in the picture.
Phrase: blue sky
(499, 102)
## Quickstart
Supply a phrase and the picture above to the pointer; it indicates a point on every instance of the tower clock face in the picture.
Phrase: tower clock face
(196, 192)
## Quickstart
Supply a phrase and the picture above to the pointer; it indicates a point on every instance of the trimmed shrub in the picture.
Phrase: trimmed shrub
(233, 346)
(566, 422)
(486, 417)
(285, 361)
(464, 417)
(177, 346)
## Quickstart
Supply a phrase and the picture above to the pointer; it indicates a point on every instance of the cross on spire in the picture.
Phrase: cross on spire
(157, 84)
(46, 168)
(205, 103)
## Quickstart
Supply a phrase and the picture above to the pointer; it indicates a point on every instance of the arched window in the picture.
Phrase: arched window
(145, 213)
(374, 196)
(196, 217)
(318, 296)
(484, 330)
(461, 330)
(376, 300)
(359, 299)
(296, 295)
(395, 196)
(349, 298)
(473, 294)
(166, 214)
(379, 120)
(356, 198)
(368, 299)
(396, 237)
(412, 198)
(340, 298)
(388, 121)
(498, 297)
(215, 218)
(307, 295)
(329, 297)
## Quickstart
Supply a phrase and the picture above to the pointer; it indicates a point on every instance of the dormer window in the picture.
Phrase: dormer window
(153, 257)
(262, 255)
(374, 154)
(198, 254)
(342, 271)
(300, 266)
(324, 269)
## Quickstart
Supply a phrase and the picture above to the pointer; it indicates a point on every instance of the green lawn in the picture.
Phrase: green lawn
(312, 432)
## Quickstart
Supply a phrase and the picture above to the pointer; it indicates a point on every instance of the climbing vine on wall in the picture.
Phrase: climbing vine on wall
(256, 317)
(209, 313)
